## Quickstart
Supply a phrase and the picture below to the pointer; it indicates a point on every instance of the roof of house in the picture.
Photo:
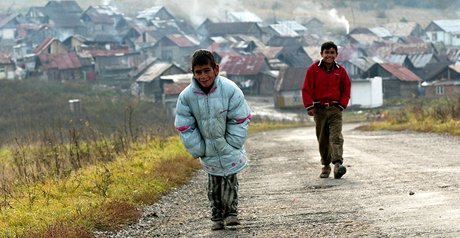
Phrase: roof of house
(44, 44)
(401, 28)
(431, 70)
(244, 16)
(60, 61)
(421, 60)
(290, 79)
(183, 40)
(448, 25)
(5, 58)
(243, 64)
(153, 72)
(271, 52)
(174, 88)
(68, 5)
(227, 28)
(5, 18)
(102, 14)
(400, 72)
(293, 25)
(283, 30)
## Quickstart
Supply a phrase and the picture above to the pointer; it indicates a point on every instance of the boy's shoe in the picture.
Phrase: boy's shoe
(232, 221)
(217, 225)
(339, 170)
(325, 171)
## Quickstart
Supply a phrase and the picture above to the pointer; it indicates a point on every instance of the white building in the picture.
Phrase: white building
(367, 93)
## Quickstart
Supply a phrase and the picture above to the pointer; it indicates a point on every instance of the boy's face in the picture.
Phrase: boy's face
(205, 74)
(329, 55)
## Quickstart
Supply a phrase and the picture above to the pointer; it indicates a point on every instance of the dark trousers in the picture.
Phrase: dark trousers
(329, 134)
(223, 195)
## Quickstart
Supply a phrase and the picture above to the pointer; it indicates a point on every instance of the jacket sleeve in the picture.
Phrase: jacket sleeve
(189, 132)
(238, 117)
(307, 89)
(345, 88)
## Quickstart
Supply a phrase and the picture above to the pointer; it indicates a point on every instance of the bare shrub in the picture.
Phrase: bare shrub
(61, 229)
(113, 215)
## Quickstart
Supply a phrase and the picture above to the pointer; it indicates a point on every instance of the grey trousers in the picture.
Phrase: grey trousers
(223, 195)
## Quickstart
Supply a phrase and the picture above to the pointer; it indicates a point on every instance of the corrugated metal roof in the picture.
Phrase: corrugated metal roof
(397, 59)
(420, 60)
(401, 28)
(271, 52)
(290, 79)
(149, 13)
(5, 18)
(184, 40)
(380, 32)
(174, 88)
(45, 43)
(153, 72)
(455, 67)
(283, 30)
(244, 16)
(5, 59)
(451, 26)
(242, 65)
(60, 61)
(363, 63)
(400, 72)
(293, 25)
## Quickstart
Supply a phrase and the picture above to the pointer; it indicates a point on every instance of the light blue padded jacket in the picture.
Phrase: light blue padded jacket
(214, 127)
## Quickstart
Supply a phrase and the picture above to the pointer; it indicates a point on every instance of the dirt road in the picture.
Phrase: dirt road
(398, 184)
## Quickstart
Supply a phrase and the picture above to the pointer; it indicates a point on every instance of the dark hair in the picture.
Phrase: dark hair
(329, 45)
(203, 57)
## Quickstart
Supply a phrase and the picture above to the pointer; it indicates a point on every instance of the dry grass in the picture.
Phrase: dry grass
(113, 215)
(67, 230)
(176, 171)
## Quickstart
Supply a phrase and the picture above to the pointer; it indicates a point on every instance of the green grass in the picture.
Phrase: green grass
(140, 178)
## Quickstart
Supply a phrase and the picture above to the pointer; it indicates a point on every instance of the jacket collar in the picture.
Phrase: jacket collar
(320, 63)
(197, 89)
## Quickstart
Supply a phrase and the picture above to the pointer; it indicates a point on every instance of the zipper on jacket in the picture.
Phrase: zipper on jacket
(213, 143)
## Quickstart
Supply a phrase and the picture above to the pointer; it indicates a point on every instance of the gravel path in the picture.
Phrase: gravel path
(399, 184)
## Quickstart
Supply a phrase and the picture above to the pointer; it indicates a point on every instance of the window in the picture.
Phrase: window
(439, 90)
(434, 36)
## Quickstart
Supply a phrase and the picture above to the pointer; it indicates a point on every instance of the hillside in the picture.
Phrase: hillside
(356, 13)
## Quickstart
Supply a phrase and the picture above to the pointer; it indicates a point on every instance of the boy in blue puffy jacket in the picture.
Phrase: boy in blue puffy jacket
(212, 117)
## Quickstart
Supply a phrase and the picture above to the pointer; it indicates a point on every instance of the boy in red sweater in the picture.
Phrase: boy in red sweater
(325, 94)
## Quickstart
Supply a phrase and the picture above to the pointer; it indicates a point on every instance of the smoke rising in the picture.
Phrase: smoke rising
(341, 20)
(196, 11)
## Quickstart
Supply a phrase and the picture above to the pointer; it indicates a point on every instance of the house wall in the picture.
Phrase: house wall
(6, 71)
(409, 89)
(391, 88)
(449, 91)
(288, 99)
(367, 93)
(167, 51)
(267, 85)
(445, 37)
(56, 47)
(7, 33)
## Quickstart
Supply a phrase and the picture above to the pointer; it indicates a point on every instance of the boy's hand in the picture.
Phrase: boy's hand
(311, 112)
